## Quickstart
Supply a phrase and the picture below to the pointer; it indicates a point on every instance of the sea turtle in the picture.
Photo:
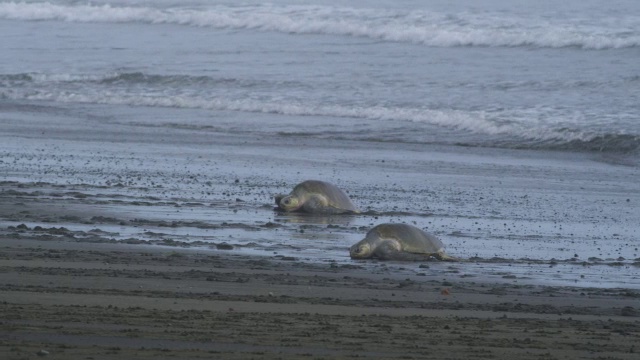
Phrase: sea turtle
(399, 242)
(313, 196)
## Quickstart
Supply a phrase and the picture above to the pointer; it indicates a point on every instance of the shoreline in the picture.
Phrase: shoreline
(92, 264)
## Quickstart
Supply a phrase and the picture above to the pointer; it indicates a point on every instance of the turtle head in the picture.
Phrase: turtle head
(361, 250)
(289, 203)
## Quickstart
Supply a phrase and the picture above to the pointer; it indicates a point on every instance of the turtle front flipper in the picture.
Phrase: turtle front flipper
(392, 250)
(319, 204)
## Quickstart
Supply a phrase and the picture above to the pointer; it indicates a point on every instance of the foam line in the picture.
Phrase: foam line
(417, 27)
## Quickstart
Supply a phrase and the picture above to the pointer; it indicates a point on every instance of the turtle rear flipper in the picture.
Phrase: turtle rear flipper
(444, 257)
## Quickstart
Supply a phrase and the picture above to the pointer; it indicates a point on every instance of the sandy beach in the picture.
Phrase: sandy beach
(70, 300)
(115, 250)
(142, 144)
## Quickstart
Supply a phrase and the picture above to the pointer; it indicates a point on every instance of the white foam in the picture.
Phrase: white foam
(419, 27)
(478, 122)
(39, 77)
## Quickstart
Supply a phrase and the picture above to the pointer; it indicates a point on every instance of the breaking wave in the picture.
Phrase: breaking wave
(137, 78)
(416, 26)
(141, 78)
(488, 126)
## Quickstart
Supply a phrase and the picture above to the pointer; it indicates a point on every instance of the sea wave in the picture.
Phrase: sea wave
(139, 78)
(416, 26)
(142, 78)
(495, 131)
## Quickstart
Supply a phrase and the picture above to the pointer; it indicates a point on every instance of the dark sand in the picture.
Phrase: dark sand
(153, 242)
(98, 301)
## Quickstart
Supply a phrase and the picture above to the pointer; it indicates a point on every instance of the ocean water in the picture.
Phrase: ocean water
(501, 73)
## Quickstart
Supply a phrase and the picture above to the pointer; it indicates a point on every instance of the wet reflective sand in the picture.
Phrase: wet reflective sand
(142, 249)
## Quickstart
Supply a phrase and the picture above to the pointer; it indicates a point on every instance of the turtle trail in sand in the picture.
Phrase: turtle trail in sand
(399, 242)
(317, 197)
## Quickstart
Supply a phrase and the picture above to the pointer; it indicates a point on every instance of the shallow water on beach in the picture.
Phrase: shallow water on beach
(516, 216)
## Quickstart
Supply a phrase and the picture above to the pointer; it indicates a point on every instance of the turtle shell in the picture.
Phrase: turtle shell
(410, 238)
(335, 196)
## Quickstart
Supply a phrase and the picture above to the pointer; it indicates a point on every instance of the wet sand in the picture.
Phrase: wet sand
(98, 300)
(151, 241)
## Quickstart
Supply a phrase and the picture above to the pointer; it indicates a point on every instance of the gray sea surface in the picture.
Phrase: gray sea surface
(516, 74)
